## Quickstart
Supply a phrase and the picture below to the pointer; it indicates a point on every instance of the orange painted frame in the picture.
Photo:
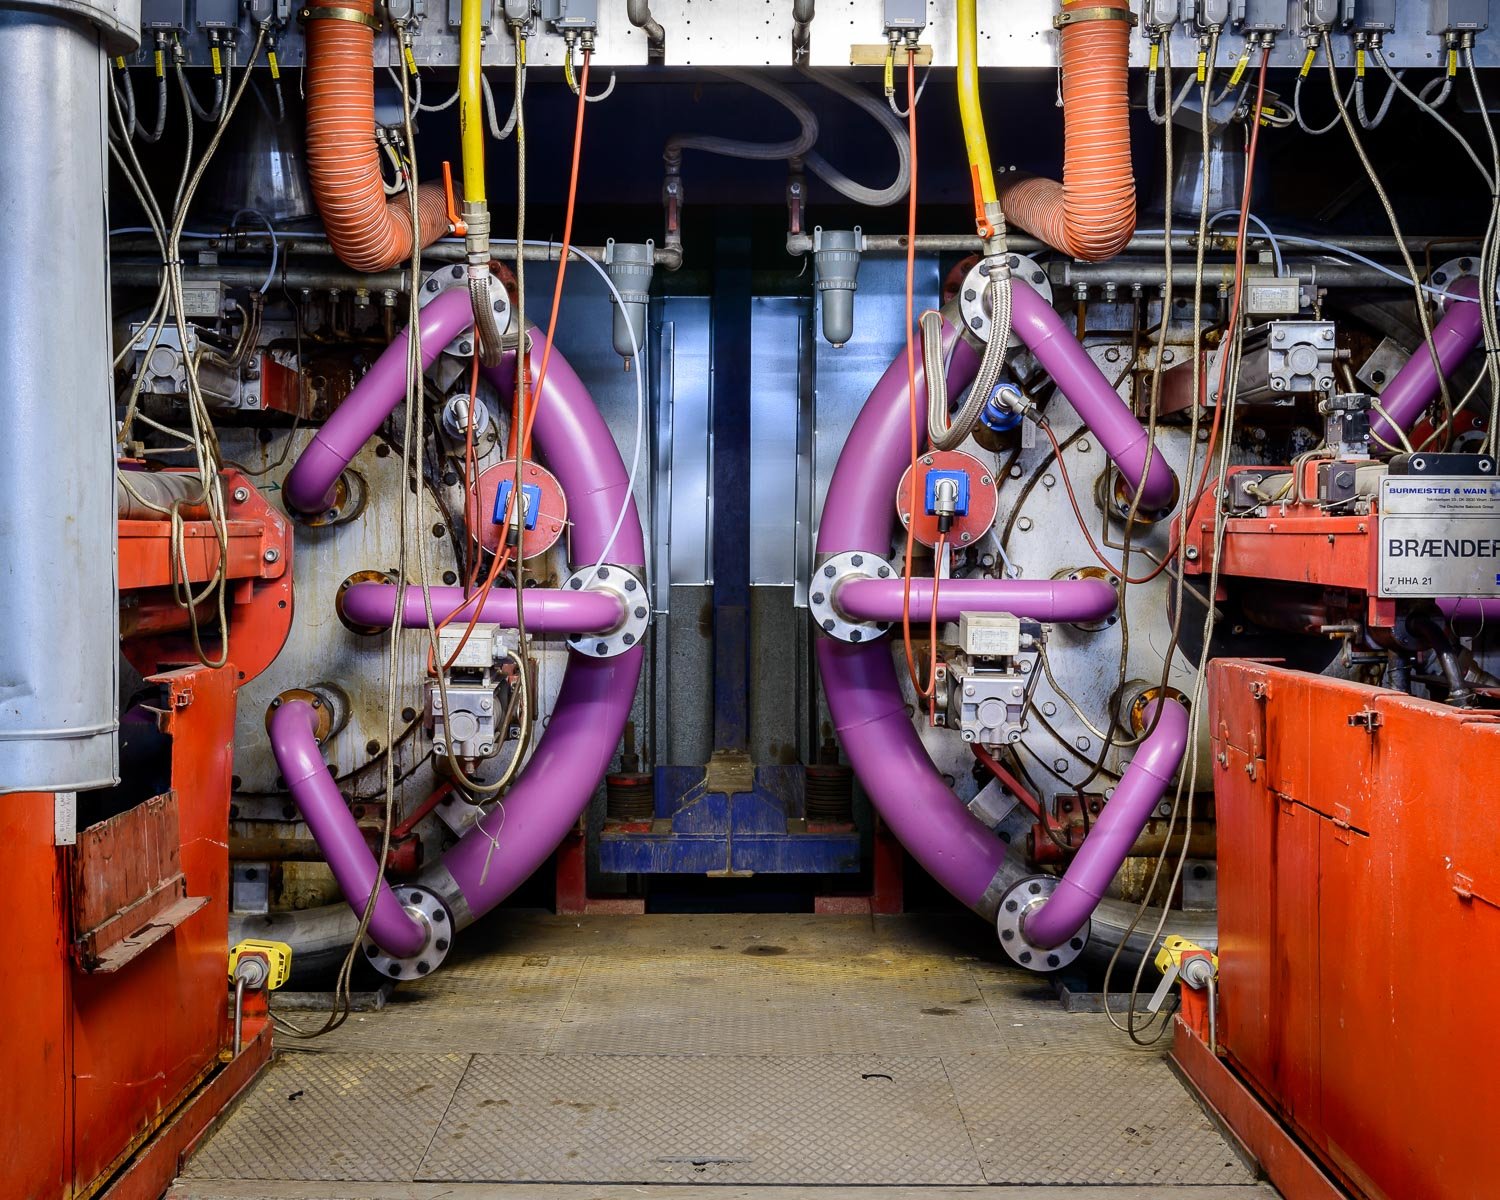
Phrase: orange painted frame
(1359, 924)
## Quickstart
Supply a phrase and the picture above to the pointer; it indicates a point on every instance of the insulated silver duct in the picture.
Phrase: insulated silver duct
(59, 614)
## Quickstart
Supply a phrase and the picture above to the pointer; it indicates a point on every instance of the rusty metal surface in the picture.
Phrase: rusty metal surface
(1360, 923)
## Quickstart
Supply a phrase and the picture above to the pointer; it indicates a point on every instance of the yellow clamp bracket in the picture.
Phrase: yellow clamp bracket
(1307, 63)
(411, 59)
(1452, 63)
(1175, 948)
(273, 64)
(277, 955)
(1239, 68)
(1359, 64)
(161, 64)
(1181, 959)
(218, 61)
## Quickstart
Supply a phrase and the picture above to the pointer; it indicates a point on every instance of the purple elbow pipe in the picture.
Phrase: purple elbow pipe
(1040, 599)
(1470, 610)
(1104, 848)
(1415, 384)
(309, 484)
(333, 827)
(547, 610)
(1124, 439)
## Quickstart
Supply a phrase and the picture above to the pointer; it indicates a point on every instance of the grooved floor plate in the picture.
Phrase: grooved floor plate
(1082, 1119)
(728, 1002)
(334, 1117)
(819, 1119)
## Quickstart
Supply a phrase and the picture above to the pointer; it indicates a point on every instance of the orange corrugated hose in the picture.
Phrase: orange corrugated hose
(1091, 214)
(367, 231)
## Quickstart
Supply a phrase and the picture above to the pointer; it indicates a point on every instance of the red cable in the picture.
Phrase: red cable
(1008, 781)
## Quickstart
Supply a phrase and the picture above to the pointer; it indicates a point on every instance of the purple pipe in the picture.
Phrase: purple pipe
(870, 718)
(1470, 610)
(332, 825)
(547, 610)
(857, 513)
(1415, 384)
(309, 484)
(1108, 842)
(1040, 599)
(1124, 439)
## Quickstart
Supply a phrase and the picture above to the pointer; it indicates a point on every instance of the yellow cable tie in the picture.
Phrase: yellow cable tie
(1202, 66)
(1359, 64)
(411, 59)
(218, 62)
(1155, 59)
(1307, 63)
(161, 68)
(1452, 63)
(1239, 69)
(273, 64)
(120, 61)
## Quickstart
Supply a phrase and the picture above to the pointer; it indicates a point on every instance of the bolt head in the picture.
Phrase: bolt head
(272, 555)
(1192, 553)
(240, 495)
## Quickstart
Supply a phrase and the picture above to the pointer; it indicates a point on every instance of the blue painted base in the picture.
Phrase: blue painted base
(698, 832)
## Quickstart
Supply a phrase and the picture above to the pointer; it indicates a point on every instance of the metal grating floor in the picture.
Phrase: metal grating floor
(755, 1051)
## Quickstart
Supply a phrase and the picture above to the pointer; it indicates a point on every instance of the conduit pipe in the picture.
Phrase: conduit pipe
(971, 115)
(1416, 384)
(1079, 378)
(366, 230)
(1039, 599)
(1091, 214)
(309, 485)
(547, 610)
(300, 761)
(1111, 837)
(495, 856)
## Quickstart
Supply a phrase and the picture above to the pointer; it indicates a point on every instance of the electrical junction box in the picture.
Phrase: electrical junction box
(905, 16)
(1324, 14)
(531, 502)
(164, 16)
(1457, 16)
(1439, 535)
(1211, 14)
(1260, 16)
(961, 499)
(1374, 16)
(217, 14)
(577, 15)
(1161, 14)
(989, 635)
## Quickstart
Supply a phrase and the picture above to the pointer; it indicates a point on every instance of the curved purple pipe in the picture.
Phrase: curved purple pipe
(333, 827)
(1471, 610)
(1106, 845)
(547, 610)
(1079, 379)
(309, 484)
(1416, 383)
(1040, 599)
(870, 719)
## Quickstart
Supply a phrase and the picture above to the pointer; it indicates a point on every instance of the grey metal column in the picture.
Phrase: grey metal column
(59, 613)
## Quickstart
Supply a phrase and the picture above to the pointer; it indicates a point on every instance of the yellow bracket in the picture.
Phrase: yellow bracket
(278, 956)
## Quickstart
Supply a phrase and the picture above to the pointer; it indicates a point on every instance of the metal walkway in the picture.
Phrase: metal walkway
(772, 1052)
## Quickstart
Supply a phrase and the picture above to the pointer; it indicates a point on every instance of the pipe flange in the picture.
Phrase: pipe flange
(425, 908)
(1446, 274)
(456, 275)
(631, 590)
(1025, 897)
(971, 292)
(822, 593)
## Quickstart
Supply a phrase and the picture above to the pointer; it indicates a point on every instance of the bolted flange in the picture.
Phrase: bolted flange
(427, 910)
(971, 293)
(457, 275)
(822, 594)
(631, 589)
(1023, 898)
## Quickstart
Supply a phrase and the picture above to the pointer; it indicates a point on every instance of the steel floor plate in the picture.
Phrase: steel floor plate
(746, 1054)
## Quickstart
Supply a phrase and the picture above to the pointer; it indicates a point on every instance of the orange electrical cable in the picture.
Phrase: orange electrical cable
(911, 379)
(567, 240)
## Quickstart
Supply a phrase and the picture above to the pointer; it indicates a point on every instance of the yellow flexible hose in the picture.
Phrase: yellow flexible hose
(969, 110)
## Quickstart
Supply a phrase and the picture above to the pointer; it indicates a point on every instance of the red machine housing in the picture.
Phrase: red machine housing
(1359, 936)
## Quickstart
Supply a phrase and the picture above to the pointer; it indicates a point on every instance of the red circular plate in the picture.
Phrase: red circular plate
(983, 499)
(552, 511)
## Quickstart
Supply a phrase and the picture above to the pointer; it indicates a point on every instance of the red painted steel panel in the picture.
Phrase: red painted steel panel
(1360, 924)
(35, 1135)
